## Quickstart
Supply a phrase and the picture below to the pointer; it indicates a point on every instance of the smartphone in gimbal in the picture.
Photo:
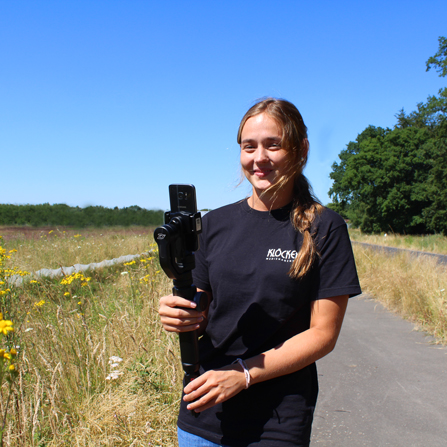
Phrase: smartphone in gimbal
(183, 198)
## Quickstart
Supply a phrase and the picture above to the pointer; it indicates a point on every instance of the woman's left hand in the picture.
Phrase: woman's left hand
(214, 387)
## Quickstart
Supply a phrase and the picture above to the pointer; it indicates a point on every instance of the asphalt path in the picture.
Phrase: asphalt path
(385, 384)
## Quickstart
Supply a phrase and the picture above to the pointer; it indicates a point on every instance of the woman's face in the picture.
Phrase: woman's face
(263, 159)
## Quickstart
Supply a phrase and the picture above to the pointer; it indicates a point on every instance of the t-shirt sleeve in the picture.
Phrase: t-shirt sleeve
(336, 273)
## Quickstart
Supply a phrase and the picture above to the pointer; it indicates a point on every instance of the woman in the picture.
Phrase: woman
(278, 269)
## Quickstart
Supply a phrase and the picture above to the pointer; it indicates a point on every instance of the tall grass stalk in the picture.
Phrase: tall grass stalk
(416, 288)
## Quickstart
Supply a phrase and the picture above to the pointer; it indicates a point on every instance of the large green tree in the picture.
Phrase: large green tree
(380, 182)
(396, 179)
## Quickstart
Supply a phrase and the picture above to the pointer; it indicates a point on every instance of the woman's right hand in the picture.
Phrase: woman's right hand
(178, 314)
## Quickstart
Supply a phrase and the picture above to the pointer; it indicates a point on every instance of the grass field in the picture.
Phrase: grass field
(88, 363)
(93, 366)
(433, 243)
(62, 247)
(415, 288)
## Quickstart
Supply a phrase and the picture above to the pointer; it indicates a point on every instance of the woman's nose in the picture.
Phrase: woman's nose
(261, 155)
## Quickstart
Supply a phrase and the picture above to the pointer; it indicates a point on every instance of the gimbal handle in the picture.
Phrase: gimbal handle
(189, 347)
(176, 239)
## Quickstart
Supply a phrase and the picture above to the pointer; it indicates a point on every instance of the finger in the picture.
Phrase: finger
(179, 313)
(178, 329)
(184, 323)
(177, 301)
(198, 406)
(195, 384)
(207, 401)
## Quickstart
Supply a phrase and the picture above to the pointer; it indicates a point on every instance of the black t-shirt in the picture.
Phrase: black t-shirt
(244, 259)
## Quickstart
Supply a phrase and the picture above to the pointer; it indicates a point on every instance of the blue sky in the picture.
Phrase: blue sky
(108, 102)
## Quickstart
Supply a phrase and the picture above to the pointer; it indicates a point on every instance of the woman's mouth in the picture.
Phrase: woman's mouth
(261, 173)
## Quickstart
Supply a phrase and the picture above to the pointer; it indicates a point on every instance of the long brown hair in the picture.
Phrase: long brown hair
(305, 206)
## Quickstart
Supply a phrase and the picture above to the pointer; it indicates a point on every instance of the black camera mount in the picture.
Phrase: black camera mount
(177, 241)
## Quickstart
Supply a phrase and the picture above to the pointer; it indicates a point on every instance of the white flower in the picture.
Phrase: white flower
(114, 375)
(124, 273)
(115, 359)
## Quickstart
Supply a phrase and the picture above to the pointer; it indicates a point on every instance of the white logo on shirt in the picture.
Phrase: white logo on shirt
(279, 254)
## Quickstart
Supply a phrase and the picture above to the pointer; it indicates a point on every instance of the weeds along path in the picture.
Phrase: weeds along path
(385, 384)
(441, 259)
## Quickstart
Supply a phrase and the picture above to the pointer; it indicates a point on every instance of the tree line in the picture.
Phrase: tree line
(90, 216)
(396, 179)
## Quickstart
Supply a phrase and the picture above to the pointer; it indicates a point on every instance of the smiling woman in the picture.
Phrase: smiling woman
(275, 306)
(264, 161)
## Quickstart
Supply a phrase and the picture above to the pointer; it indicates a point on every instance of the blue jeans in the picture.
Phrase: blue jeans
(186, 439)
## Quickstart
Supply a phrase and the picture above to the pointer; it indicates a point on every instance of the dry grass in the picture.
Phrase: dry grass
(58, 247)
(67, 334)
(433, 243)
(416, 288)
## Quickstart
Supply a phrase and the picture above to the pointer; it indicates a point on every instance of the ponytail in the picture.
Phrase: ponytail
(304, 211)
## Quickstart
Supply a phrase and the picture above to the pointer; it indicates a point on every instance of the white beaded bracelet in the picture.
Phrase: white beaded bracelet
(246, 372)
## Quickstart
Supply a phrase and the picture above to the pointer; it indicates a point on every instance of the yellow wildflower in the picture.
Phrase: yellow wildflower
(6, 326)
(12, 367)
(69, 279)
(67, 294)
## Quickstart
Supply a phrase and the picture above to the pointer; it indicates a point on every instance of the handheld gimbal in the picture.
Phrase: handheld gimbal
(177, 241)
